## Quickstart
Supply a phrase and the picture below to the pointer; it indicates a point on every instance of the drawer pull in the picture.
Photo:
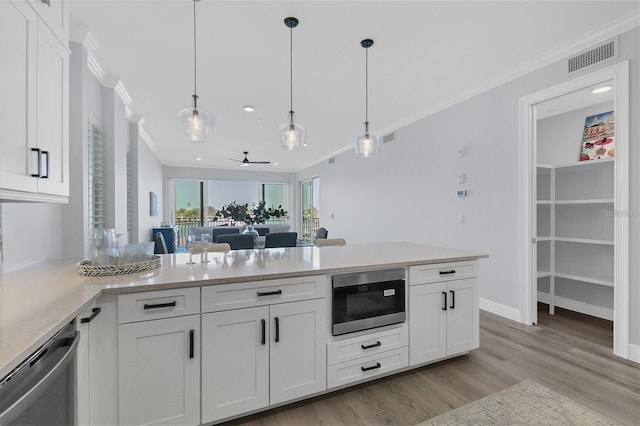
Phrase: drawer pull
(47, 165)
(94, 313)
(444, 302)
(191, 343)
(453, 271)
(453, 299)
(160, 305)
(37, 151)
(373, 367)
(277, 321)
(374, 345)
(264, 332)
(269, 293)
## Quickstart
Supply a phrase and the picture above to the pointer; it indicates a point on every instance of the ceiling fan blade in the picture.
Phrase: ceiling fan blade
(260, 162)
(233, 159)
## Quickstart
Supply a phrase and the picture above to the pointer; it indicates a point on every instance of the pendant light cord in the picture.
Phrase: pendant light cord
(195, 59)
(291, 72)
(366, 87)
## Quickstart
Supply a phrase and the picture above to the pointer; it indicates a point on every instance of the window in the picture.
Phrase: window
(310, 208)
(96, 172)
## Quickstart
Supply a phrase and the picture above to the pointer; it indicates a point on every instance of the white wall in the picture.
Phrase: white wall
(559, 137)
(407, 192)
(148, 177)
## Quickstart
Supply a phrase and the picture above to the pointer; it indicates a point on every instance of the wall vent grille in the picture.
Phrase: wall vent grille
(389, 138)
(601, 53)
(332, 160)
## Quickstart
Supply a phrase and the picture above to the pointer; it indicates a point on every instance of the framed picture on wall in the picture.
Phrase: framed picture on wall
(153, 204)
(598, 137)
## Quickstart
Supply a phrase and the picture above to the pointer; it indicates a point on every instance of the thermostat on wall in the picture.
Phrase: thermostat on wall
(461, 193)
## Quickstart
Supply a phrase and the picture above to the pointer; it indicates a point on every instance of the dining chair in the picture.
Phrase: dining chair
(161, 243)
(219, 247)
(262, 231)
(237, 241)
(223, 230)
(321, 233)
(280, 239)
(323, 242)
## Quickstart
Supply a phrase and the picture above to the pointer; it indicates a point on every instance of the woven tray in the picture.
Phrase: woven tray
(84, 268)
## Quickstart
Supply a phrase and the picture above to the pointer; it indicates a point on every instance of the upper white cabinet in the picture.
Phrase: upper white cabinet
(34, 107)
(55, 15)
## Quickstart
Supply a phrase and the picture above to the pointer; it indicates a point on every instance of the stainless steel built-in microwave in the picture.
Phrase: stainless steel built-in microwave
(367, 300)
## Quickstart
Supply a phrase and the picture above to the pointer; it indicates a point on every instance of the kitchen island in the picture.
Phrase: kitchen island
(37, 301)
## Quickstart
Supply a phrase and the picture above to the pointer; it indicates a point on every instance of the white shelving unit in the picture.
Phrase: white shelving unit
(575, 235)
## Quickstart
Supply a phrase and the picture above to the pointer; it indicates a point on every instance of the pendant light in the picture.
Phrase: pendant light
(291, 135)
(195, 124)
(367, 145)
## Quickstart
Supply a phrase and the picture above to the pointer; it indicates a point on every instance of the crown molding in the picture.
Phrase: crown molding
(585, 41)
(147, 140)
(95, 68)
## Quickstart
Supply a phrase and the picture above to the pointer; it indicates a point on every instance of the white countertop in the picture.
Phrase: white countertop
(36, 301)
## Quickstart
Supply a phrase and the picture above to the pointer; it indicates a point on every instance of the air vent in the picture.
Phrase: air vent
(389, 138)
(332, 160)
(593, 56)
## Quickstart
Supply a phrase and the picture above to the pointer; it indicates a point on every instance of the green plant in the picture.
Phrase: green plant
(236, 212)
(277, 213)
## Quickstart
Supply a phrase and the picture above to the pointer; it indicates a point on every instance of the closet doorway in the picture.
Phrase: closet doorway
(574, 234)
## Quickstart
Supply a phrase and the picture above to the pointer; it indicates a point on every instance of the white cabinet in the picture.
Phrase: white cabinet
(97, 363)
(264, 355)
(158, 362)
(444, 315)
(55, 15)
(34, 107)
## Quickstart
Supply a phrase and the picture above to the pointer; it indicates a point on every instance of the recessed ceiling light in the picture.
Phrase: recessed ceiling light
(275, 164)
(602, 89)
(198, 159)
(248, 108)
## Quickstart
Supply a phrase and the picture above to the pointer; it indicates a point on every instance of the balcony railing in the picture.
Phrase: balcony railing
(309, 227)
(184, 224)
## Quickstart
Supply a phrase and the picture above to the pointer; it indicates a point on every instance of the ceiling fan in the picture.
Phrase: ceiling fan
(245, 162)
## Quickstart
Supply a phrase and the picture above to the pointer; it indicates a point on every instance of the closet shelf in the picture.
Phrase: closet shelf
(545, 238)
(544, 202)
(594, 201)
(584, 241)
(591, 280)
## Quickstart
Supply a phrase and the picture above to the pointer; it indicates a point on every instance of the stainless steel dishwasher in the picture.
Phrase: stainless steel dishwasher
(41, 390)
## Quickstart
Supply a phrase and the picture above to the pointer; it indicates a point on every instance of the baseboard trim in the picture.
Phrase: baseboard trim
(634, 353)
(501, 310)
(574, 305)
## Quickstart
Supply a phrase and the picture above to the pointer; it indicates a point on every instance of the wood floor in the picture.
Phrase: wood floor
(568, 353)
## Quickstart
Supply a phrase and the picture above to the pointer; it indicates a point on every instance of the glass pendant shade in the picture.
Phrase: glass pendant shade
(195, 124)
(291, 135)
(368, 144)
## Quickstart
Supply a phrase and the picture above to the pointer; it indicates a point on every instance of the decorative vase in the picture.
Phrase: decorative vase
(250, 230)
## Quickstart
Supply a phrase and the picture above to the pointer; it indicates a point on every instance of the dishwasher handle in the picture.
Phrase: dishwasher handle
(68, 341)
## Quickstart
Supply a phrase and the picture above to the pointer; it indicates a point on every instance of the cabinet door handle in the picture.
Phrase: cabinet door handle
(373, 367)
(374, 345)
(444, 301)
(46, 166)
(94, 313)
(453, 299)
(192, 345)
(47, 2)
(160, 305)
(277, 338)
(37, 151)
(269, 293)
(452, 271)
(264, 332)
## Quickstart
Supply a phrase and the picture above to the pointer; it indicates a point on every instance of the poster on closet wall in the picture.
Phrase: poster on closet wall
(597, 137)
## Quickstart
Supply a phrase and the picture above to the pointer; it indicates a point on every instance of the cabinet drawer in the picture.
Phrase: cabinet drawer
(259, 293)
(362, 346)
(366, 368)
(442, 272)
(150, 305)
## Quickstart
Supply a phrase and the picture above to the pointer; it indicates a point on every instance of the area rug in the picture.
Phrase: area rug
(527, 403)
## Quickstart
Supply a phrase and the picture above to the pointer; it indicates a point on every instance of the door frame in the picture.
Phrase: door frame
(619, 73)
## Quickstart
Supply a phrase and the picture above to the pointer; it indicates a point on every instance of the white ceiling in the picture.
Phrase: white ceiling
(426, 53)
